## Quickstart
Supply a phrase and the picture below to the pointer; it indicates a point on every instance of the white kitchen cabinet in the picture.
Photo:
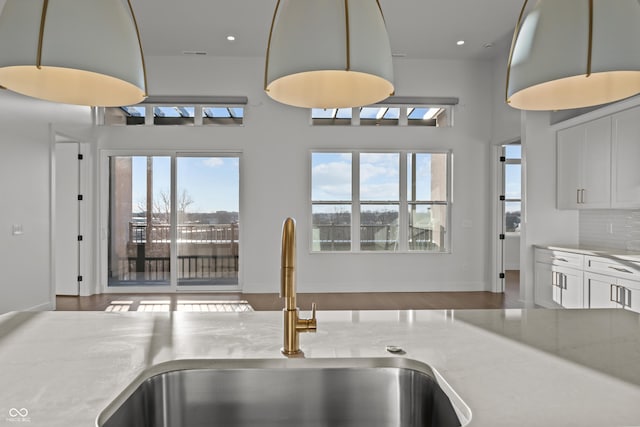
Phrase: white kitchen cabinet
(543, 289)
(574, 280)
(602, 292)
(625, 151)
(558, 279)
(568, 166)
(568, 287)
(612, 292)
(584, 165)
(612, 282)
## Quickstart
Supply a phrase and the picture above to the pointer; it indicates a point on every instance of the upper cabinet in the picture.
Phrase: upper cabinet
(597, 165)
(584, 165)
(625, 180)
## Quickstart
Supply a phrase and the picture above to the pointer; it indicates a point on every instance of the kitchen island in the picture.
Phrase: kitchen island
(531, 367)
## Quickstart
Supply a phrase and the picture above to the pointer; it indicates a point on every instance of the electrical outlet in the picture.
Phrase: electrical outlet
(16, 229)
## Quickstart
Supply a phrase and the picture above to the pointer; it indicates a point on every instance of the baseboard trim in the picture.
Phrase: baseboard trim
(47, 306)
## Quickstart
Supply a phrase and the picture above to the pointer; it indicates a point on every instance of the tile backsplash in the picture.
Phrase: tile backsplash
(610, 228)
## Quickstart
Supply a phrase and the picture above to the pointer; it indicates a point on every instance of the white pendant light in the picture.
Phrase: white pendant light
(84, 52)
(328, 54)
(574, 53)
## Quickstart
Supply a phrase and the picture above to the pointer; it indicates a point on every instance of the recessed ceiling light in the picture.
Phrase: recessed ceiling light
(460, 42)
(231, 38)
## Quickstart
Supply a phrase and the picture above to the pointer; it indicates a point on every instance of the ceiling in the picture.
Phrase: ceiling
(417, 28)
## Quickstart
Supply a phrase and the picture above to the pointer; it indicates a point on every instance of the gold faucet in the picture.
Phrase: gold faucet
(293, 324)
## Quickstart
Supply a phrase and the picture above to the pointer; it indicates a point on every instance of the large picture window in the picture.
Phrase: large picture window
(380, 201)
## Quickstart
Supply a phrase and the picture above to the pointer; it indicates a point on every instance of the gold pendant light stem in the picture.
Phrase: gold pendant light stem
(43, 19)
(144, 67)
(590, 37)
(347, 35)
(266, 65)
(513, 42)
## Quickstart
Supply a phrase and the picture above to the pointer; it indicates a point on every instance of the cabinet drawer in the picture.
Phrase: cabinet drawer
(566, 259)
(612, 267)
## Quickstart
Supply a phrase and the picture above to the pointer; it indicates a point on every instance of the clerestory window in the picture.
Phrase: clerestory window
(394, 111)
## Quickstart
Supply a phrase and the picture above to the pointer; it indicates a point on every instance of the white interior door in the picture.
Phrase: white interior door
(67, 189)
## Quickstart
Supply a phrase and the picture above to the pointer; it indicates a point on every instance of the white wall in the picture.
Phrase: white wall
(25, 166)
(542, 223)
(505, 119)
(276, 142)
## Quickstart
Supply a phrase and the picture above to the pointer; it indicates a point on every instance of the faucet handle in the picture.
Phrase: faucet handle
(312, 324)
(306, 325)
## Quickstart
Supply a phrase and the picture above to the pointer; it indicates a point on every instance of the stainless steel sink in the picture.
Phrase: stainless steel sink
(288, 392)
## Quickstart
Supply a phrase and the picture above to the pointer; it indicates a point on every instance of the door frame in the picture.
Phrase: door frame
(85, 182)
(172, 287)
(497, 214)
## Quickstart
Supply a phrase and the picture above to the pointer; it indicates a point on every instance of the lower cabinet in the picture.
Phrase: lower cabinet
(568, 287)
(602, 291)
(612, 292)
(570, 280)
(559, 280)
(543, 289)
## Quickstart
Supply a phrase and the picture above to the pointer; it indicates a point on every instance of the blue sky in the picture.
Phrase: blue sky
(379, 176)
(212, 182)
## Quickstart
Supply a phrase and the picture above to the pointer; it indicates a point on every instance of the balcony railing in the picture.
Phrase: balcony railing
(210, 267)
(207, 254)
(337, 237)
(191, 233)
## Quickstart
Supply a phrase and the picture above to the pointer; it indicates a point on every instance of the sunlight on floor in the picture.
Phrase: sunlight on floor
(119, 306)
(214, 306)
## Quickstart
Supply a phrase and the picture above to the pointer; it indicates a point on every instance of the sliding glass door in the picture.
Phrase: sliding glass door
(174, 221)
(207, 206)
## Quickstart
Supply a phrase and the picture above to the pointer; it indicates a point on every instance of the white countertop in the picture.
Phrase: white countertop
(622, 254)
(511, 367)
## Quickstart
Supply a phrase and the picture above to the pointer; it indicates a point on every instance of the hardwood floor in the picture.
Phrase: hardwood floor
(324, 301)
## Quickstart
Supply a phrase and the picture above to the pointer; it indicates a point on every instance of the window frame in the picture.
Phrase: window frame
(403, 216)
(510, 161)
(104, 217)
(400, 118)
(196, 115)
